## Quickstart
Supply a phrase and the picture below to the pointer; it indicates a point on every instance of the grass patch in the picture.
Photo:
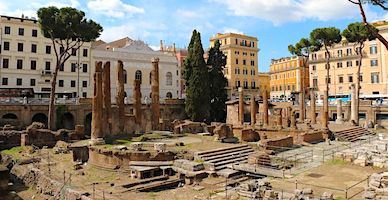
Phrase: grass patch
(15, 152)
(152, 195)
(336, 162)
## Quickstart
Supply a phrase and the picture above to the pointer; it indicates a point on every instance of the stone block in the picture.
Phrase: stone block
(360, 161)
(136, 146)
(160, 147)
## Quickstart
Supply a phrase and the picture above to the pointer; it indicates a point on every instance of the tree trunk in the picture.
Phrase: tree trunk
(51, 115)
(374, 33)
(358, 86)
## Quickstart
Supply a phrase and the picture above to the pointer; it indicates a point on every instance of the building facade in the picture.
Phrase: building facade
(264, 83)
(343, 68)
(27, 60)
(241, 68)
(287, 74)
(136, 57)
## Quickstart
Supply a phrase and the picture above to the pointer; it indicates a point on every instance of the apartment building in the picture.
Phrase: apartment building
(343, 68)
(264, 83)
(27, 60)
(241, 68)
(287, 74)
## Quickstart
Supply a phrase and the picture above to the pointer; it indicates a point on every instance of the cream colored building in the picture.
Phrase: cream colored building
(136, 57)
(264, 83)
(27, 60)
(343, 68)
(287, 76)
(241, 68)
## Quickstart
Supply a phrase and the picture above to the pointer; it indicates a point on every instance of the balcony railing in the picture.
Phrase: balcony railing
(336, 57)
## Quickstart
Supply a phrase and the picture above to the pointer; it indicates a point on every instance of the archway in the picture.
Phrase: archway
(40, 117)
(169, 95)
(88, 124)
(68, 121)
(10, 116)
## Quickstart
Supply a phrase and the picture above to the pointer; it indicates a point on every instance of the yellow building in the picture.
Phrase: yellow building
(242, 62)
(343, 68)
(264, 83)
(286, 77)
(27, 60)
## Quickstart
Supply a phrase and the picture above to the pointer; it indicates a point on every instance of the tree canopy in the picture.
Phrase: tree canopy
(358, 33)
(197, 78)
(218, 83)
(325, 37)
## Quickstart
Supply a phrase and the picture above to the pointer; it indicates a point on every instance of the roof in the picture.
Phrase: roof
(120, 43)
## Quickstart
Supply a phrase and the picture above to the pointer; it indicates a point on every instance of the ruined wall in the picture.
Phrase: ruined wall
(9, 139)
(113, 158)
(271, 144)
(247, 135)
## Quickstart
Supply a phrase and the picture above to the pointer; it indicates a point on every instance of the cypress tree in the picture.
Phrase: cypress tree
(218, 82)
(197, 81)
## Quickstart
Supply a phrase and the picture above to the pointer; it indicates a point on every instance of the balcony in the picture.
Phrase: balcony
(337, 57)
(46, 73)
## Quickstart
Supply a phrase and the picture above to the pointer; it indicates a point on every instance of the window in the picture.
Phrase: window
(48, 65)
(253, 84)
(62, 67)
(85, 67)
(357, 63)
(18, 81)
(4, 81)
(375, 77)
(84, 94)
(60, 83)
(328, 80)
(236, 41)
(169, 78)
(33, 48)
(34, 33)
(21, 31)
(33, 65)
(20, 46)
(280, 88)
(238, 83)
(349, 63)
(252, 63)
(373, 63)
(72, 83)
(348, 52)
(341, 79)
(327, 66)
(373, 49)
(5, 62)
(244, 62)
(7, 30)
(339, 65)
(61, 50)
(6, 46)
(19, 64)
(48, 49)
(85, 53)
(350, 78)
(126, 76)
(236, 61)
(73, 67)
(360, 77)
(339, 53)
(246, 84)
(73, 51)
(314, 67)
(84, 83)
(138, 76)
(32, 82)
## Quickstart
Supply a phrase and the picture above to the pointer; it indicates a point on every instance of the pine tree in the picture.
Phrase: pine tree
(218, 82)
(197, 81)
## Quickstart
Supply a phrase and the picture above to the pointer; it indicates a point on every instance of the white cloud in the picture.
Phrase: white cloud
(188, 14)
(232, 30)
(281, 11)
(113, 8)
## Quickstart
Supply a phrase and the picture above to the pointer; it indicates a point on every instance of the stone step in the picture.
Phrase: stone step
(233, 161)
(222, 159)
(216, 151)
(144, 181)
(212, 158)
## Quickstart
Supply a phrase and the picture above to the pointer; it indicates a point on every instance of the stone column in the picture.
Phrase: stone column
(301, 106)
(253, 110)
(241, 105)
(293, 120)
(155, 105)
(97, 107)
(312, 107)
(325, 115)
(279, 117)
(339, 111)
(137, 101)
(107, 99)
(353, 108)
(120, 95)
(265, 108)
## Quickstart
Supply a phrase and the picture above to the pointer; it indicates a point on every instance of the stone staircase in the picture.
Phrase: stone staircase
(352, 134)
(219, 159)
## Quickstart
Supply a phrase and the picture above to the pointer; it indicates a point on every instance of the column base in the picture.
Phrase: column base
(97, 141)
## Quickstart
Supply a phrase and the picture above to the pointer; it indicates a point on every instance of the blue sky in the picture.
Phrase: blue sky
(276, 23)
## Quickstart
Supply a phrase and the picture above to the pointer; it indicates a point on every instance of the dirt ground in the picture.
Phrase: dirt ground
(335, 175)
